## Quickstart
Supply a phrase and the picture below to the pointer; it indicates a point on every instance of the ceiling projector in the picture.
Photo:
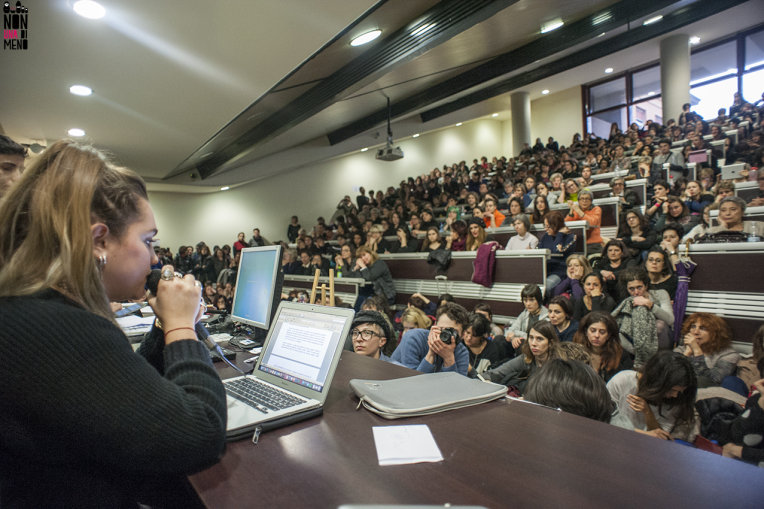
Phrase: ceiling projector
(389, 153)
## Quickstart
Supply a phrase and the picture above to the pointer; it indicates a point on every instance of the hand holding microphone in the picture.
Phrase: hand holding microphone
(176, 301)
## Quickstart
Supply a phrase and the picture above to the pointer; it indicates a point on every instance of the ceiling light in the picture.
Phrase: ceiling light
(652, 20)
(89, 9)
(601, 35)
(80, 90)
(608, 70)
(651, 93)
(225, 188)
(551, 25)
(694, 40)
(365, 38)
(416, 135)
(495, 115)
(76, 132)
(601, 18)
(364, 149)
(458, 124)
(422, 29)
(545, 91)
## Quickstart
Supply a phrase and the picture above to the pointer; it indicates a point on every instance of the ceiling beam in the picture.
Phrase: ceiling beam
(448, 18)
(546, 45)
(673, 21)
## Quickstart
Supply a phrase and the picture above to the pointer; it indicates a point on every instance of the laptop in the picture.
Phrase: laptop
(295, 369)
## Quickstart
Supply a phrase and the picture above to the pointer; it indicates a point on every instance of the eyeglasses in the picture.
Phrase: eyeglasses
(365, 335)
(655, 260)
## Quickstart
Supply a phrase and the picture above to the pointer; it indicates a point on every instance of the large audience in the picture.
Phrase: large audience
(601, 338)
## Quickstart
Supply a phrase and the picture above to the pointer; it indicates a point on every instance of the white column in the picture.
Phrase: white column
(521, 120)
(675, 75)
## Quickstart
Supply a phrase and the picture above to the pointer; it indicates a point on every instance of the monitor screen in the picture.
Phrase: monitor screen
(257, 286)
(698, 156)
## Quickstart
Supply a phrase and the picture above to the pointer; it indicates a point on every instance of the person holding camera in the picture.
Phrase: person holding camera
(440, 348)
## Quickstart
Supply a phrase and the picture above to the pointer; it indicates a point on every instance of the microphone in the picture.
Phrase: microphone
(152, 281)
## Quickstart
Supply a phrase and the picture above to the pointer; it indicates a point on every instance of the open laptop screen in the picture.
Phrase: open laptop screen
(302, 345)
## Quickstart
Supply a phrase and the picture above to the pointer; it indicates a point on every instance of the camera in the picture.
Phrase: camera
(449, 334)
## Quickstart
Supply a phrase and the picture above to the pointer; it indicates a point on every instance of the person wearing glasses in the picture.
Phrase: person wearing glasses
(583, 210)
(370, 333)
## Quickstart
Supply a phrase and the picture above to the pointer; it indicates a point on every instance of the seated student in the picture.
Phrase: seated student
(432, 240)
(319, 262)
(571, 386)
(655, 210)
(598, 333)
(413, 318)
(659, 401)
(615, 259)
(476, 235)
(560, 244)
(524, 238)
(695, 198)
(374, 270)
(577, 268)
(660, 270)
(492, 217)
(707, 342)
(306, 267)
(584, 209)
(483, 352)
(594, 298)
(534, 312)
(676, 212)
(370, 333)
(539, 347)
(636, 235)
(701, 228)
(424, 350)
(457, 239)
(645, 318)
(747, 430)
(628, 199)
(484, 309)
(560, 315)
(406, 242)
(731, 210)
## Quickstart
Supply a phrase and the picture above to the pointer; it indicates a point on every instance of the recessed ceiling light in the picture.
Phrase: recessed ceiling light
(551, 25)
(694, 40)
(76, 132)
(608, 70)
(545, 91)
(458, 124)
(225, 188)
(416, 135)
(364, 149)
(422, 29)
(494, 115)
(652, 20)
(605, 16)
(365, 38)
(80, 90)
(89, 9)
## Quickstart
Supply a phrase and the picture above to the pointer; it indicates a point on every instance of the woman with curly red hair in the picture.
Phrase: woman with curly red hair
(708, 344)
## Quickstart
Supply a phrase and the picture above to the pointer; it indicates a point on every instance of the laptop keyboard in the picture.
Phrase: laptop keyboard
(260, 396)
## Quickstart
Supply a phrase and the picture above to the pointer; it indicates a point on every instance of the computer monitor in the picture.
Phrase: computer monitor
(258, 286)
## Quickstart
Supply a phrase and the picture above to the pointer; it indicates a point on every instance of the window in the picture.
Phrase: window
(609, 94)
(754, 50)
(651, 109)
(753, 85)
(707, 99)
(599, 123)
(713, 63)
(646, 83)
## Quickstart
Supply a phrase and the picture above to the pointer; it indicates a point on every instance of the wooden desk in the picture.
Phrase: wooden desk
(500, 454)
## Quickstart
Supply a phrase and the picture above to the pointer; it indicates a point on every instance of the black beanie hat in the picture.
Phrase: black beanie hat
(375, 317)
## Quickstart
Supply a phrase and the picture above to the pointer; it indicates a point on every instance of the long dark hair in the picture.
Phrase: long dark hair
(612, 350)
(663, 371)
(549, 331)
(571, 386)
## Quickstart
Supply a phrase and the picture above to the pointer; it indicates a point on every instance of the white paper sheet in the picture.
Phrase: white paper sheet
(133, 325)
(402, 445)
